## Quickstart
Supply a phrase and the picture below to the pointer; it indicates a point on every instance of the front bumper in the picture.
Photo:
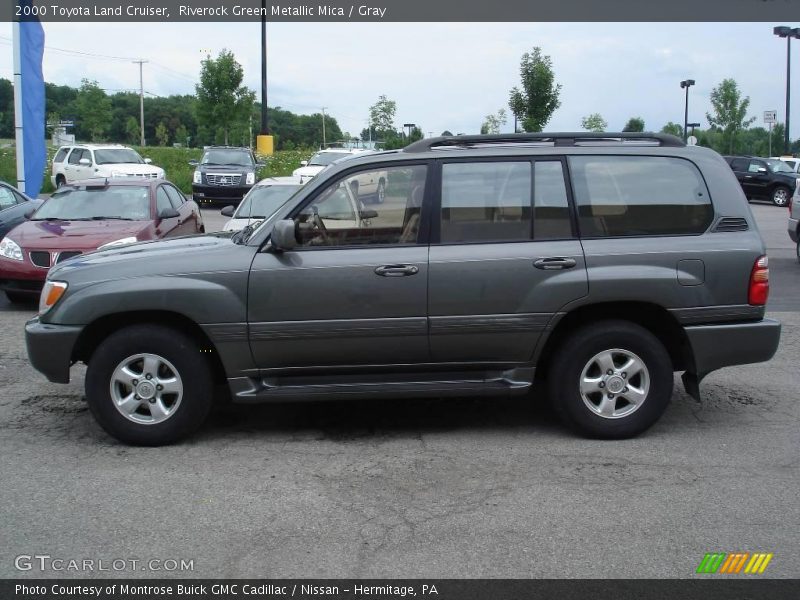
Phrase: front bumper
(21, 276)
(219, 193)
(792, 229)
(50, 348)
(725, 345)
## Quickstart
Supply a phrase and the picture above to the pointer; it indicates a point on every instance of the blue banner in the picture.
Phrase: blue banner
(33, 104)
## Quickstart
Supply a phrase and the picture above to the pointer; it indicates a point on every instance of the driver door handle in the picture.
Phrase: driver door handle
(396, 270)
(555, 263)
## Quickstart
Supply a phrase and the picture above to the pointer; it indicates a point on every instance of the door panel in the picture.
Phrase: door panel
(329, 307)
(488, 302)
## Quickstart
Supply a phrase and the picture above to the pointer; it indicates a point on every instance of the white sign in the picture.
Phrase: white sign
(770, 116)
(691, 140)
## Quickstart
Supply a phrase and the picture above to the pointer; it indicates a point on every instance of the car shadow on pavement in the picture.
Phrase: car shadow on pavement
(352, 419)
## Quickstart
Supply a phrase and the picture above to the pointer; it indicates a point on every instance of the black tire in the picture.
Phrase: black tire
(781, 195)
(60, 181)
(21, 298)
(174, 346)
(797, 247)
(576, 353)
(380, 195)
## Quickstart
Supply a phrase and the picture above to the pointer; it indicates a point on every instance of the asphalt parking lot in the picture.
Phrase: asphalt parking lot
(442, 488)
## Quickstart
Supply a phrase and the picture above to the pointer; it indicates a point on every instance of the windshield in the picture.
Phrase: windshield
(778, 166)
(264, 200)
(226, 156)
(325, 158)
(122, 202)
(117, 156)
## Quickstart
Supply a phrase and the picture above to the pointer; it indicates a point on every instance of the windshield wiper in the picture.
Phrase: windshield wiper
(112, 218)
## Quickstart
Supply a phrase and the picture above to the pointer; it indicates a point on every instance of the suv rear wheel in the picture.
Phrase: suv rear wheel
(612, 379)
(149, 385)
(781, 195)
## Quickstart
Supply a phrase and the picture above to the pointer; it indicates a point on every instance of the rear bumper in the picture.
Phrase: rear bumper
(717, 346)
(792, 229)
(50, 348)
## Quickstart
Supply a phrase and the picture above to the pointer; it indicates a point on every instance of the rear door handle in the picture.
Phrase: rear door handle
(396, 270)
(555, 263)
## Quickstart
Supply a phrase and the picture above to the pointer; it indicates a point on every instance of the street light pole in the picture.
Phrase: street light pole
(323, 126)
(686, 83)
(788, 33)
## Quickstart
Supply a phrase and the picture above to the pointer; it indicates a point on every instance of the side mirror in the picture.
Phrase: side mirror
(85, 162)
(29, 213)
(168, 213)
(303, 163)
(227, 211)
(283, 235)
(147, 161)
(193, 163)
(368, 213)
(762, 169)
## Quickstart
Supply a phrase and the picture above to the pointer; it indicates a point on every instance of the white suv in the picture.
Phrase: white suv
(87, 161)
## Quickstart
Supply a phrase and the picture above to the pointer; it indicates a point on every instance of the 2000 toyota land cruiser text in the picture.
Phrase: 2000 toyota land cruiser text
(593, 265)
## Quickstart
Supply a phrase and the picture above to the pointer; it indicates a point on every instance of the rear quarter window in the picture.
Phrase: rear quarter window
(60, 155)
(639, 196)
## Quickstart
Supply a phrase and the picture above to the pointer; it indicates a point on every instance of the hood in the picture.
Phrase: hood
(308, 171)
(74, 235)
(170, 257)
(226, 168)
(131, 168)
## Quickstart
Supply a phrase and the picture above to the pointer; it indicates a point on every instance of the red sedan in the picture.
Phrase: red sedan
(85, 216)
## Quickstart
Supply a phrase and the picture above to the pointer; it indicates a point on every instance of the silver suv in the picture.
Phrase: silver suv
(591, 267)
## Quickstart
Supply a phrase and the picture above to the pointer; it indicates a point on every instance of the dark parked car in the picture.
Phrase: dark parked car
(595, 265)
(764, 178)
(84, 216)
(13, 206)
(223, 175)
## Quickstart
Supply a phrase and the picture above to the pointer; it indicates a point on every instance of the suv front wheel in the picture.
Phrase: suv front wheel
(149, 385)
(612, 379)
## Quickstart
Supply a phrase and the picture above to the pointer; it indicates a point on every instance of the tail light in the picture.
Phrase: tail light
(758, 291)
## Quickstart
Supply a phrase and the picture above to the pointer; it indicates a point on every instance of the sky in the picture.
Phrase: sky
(443, 76)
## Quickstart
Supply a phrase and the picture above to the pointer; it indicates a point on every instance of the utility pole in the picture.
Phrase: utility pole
(324, 143)
(141, 100)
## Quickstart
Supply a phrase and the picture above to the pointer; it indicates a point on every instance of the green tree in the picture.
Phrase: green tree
(93, 109)
(182, 135)
(381, 118)
(673, 129)
(634, 124)
(492, 124)
(222, 100)
(162, 134)
(730, 111)
(535, 103)
(132, 134)
(594, 122)
(447, 133)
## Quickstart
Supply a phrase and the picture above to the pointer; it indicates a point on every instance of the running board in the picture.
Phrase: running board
(275, 389)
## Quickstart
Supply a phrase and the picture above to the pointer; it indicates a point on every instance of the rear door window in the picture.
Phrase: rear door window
(639, 196)
(486, 201)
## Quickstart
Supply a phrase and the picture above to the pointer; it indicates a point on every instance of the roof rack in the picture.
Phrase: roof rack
(584, 138)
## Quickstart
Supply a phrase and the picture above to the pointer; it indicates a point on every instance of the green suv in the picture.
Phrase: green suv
(589, 266)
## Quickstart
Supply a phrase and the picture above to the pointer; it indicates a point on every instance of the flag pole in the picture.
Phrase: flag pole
(20, 142)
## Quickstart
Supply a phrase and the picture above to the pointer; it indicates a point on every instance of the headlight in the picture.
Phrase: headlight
(250, 179)
(197, 177)
(10, 249)
(51, 293)
(120, 242)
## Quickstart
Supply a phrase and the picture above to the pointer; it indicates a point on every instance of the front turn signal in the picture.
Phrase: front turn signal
(51, 293)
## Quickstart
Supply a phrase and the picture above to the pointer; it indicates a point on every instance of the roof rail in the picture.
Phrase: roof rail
(555, 139)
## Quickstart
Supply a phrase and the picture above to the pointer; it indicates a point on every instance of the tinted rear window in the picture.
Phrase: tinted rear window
(59, 157)
(639, 195)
